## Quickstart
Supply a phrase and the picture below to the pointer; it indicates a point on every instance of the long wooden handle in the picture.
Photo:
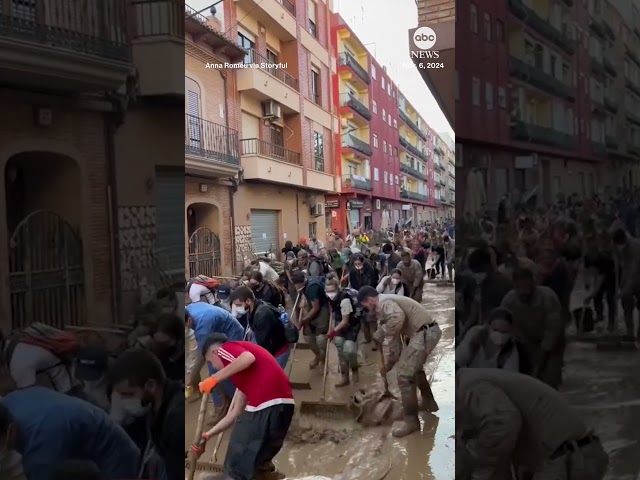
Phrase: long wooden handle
(326, 368)
(199, 427)
(384, 367)
(214, 457)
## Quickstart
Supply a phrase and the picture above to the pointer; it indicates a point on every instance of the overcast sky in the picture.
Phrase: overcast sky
(385, 29)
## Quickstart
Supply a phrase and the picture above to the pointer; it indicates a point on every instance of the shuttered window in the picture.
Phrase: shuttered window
(264, 231)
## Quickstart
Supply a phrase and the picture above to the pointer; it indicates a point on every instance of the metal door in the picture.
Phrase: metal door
(204, 253)
(264, 231)
(46, 272)
(170, 222)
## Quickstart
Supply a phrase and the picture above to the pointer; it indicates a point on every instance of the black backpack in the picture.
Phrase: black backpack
(352, 294)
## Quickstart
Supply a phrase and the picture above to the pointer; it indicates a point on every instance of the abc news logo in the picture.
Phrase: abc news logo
(424, 38)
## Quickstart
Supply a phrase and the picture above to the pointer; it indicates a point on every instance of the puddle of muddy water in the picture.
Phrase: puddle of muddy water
(348, 451)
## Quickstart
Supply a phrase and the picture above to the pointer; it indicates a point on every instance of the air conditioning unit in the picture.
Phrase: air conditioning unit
(271, 109)
(378, 204)
(317, 210)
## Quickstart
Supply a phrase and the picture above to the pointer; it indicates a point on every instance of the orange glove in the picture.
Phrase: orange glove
(198, 448)
(208, 385)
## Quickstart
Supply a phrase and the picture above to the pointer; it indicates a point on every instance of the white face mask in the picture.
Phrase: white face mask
(395, 281)
(499, 338)
(126, 410)
(359, 267)
(332, 295)
(238, 312)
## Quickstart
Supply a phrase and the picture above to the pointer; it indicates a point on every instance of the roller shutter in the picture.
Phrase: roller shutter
(264, 231)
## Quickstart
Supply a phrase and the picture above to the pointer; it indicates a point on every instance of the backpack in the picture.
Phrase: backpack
(321, 267)
(211, 283)
(279, 293)
(352, 294)
(62, 344)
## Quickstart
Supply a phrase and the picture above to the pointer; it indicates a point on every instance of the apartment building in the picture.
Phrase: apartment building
(447, 175)
(84, 171)
(555, 113)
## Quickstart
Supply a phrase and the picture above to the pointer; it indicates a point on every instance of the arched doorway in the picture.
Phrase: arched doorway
(205, 254)
(44, 210)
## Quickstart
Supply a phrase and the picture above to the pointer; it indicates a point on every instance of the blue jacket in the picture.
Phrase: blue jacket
(54, 427)
(209, 319)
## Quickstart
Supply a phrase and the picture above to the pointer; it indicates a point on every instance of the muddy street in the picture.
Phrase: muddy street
(340, 450)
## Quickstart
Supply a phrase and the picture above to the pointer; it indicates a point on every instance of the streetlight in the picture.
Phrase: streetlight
(212, 9)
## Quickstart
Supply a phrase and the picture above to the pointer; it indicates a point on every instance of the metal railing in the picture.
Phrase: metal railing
(255, 58)
(543, 135)
(414, 150)
(155, 18)
(318, 159)
(348, 100)
(540, 79)
(210, 141)
(255, 146)
(345, 58)
(356, 182)
(408, 169)
(405, 118)
(542, 26)
(438, 150)
(91, 28)
(413, 195)
(354, 142)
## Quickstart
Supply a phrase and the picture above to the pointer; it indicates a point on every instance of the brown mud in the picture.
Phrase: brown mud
(325, 449)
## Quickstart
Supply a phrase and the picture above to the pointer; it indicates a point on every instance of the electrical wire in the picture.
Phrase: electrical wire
(238, 21)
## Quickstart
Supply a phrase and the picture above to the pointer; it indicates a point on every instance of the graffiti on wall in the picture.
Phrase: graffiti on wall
(244, 250)
(137, 232)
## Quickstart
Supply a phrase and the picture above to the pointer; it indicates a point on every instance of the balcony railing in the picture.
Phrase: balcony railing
(632, 86)
(609, 66)
(597, 26)
(88, 28)
(632, 55)
(413, 196)
(598, 106)
(539, 79)
(542, 26)
(438, 165)
(545, 136)
(348, 100)
(289, 6)
(210, 141)
(157, 18)
(345, 58)
(318, 159)
(599, 149)
(633, 117)
(356, 182)
(441, 182)
(438, 150)
(254, 58)
(405, 118)
(255, 146)
(351, 141)
(414, 150)
(408, 169)
(611, 104)
(611, 142)
(597, 66)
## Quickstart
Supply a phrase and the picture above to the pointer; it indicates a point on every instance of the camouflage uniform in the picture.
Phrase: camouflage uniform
(401, 316)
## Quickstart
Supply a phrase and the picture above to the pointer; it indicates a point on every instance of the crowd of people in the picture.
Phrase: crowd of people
(518, 272)
(245, 335)
(73, 410)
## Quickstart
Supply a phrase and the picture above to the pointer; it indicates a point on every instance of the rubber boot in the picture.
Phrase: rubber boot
(411, 422)
(267, 467)
(428, 402)
(355, 375)
(318, 359)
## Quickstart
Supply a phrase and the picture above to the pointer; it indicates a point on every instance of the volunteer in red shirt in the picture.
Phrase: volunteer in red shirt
(261, 409)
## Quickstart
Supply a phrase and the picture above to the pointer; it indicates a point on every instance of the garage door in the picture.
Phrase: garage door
(264, 231)
(170, 221)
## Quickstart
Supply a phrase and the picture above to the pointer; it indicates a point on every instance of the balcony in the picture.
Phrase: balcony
(610, 104)
(598, 107)
(409, 170)
(597, 26)
(269, 162)
(413, 196)
(414, 150)
(278, 16)
(611, 142)
(64, 46)
(350, 101)
(632, 55)
(441, 182)
(542, 26)
(524, 132)
(269, 83)
(633, 117)
(405, 118)
(348, 60)
(356, 182)
(597, 66)
(353, 142)
(609, 67)
(539, 79)
(439, 166)
(210, 147)
(632, 86)
(599, 149)
(438, 150)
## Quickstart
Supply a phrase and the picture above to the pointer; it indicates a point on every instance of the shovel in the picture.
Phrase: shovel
(193, 457)
(296, 385)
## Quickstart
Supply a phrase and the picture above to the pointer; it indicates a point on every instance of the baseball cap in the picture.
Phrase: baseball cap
(91, 363)
(223, 292)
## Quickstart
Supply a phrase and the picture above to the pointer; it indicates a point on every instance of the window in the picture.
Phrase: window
(397, 180)
(315, 86)
(473, 18)
(475, 92)
(389, 122)
(277, 140)
(502, 97)
(373, 72)
(395, 151)
(272, 57)
(384, 114)
(313, 229)
(393, 94)
(389, 88)
(487, 27)
(376, 174)
(384, 146)
(375, 140)
(248, 44)
(312, 19)
(488, 95)
(375, 106)
(499, 31)
(395, 123)
(382, 81)
(386, 177)
(318, 151)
